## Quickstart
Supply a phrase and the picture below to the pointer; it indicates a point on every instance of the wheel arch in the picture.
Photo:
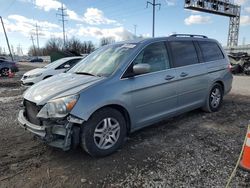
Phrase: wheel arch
(222, 85)
(45, 77)
(122, 110)
(4, 68)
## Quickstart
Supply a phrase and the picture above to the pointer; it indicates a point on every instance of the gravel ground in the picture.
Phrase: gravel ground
(195, 149)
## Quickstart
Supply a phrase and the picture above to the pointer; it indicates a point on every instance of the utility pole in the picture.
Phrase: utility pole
(37, 36)
(32, 39)
(6, 37)
(154, 5)
(135, 27)
(36, 32)
(62, 13)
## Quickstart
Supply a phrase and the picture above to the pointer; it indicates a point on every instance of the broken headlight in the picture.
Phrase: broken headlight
(58, 108)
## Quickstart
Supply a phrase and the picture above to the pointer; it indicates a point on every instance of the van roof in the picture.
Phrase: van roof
(183, 36)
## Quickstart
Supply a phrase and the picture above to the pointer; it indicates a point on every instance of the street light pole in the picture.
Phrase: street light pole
(6, 37)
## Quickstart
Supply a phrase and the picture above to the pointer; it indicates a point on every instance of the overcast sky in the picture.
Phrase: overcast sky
(94, 19)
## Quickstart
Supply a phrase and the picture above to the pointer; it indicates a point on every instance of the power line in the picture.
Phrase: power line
(154, 5)
(63, 14)
(10, 5)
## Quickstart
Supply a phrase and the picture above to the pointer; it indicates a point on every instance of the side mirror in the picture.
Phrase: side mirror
(141, 68)
(66, 66)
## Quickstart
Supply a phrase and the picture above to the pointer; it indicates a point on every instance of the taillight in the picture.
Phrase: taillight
(230, 67)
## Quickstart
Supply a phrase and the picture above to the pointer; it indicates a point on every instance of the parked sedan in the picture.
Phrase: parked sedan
(36, 60)
(5, 66)
(56, 67)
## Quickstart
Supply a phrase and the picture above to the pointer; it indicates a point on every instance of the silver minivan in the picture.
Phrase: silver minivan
(126, 86)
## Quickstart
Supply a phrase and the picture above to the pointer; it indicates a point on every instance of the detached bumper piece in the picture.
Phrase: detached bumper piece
(59, 136)
(36, 129)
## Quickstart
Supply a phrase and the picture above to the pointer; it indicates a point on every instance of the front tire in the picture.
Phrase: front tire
(214, 99)
(104, 132)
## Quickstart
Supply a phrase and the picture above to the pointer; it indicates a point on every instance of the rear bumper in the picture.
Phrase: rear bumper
(228, 80)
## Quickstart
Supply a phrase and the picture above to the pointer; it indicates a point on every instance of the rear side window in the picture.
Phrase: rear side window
(184, 53)
(210, 51)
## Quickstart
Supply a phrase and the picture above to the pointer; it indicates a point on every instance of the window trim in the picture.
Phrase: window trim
(124, 76)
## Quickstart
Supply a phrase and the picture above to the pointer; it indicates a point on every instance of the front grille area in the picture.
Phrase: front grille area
(31, 110)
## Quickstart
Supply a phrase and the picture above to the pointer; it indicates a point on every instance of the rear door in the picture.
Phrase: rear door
(191, 74)
(153, 94)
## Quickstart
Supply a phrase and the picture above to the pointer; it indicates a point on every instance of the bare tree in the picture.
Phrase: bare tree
(54, 44)
(74, 46)
(106, 40)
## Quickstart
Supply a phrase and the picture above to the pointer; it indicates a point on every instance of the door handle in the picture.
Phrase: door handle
(183, 74)
(169, 77)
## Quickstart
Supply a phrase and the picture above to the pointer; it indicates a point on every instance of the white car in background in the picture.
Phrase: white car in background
(56, 67)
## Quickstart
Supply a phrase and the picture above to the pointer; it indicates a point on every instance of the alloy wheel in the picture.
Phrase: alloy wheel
(5, 72)
(107, 133)
(215, 97)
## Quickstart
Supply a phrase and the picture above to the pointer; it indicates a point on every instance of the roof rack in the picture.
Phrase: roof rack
(188, 35)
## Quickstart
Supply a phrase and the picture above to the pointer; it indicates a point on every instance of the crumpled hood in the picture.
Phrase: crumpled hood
(34, 71)
(55, 86)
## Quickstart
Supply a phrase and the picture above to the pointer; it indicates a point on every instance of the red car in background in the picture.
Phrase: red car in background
(5, 66)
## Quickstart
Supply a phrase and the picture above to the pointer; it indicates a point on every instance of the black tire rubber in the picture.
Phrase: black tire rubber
(88, 128)
(207, 107)
(246, 68)
(2, 70)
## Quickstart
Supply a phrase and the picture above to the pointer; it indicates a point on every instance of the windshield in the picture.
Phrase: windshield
(104, 61)
(56, 63)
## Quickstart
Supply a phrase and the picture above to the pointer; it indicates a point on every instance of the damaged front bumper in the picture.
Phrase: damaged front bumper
(62, 136)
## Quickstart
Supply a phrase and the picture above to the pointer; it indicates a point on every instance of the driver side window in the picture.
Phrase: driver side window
(154, 55)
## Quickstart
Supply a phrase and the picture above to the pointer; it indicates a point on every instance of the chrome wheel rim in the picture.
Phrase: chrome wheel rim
(215, 98)
(107, 133)
(5, 72)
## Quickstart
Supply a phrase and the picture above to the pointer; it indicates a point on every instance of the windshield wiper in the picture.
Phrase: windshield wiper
(85, 73)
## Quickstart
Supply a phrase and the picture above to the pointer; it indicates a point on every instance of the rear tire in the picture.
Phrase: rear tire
(214, 99)
(4, 72)
(104, 132)
(246, 68)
